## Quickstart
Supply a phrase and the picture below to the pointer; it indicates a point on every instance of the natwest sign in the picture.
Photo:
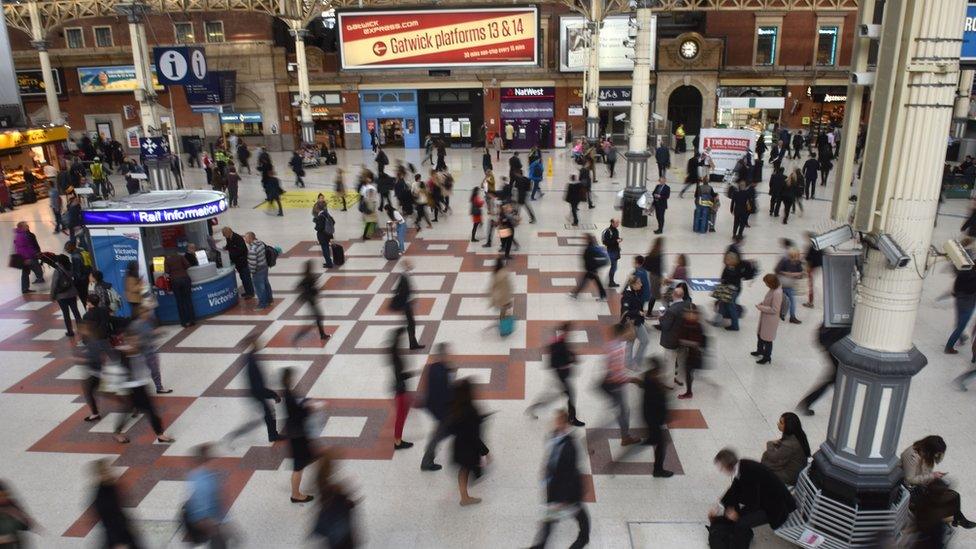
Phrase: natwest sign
(515, 94)
(428, 38)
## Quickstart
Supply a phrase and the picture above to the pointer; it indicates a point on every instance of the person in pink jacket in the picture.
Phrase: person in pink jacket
(26, 246)
(768, 319)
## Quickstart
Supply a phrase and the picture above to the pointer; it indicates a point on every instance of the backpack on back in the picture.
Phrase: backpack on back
(271, 255)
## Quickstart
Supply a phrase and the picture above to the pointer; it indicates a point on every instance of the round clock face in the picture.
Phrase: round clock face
(689, 49)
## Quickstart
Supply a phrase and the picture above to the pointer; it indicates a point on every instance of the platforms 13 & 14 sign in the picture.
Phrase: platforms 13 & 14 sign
(439, 37)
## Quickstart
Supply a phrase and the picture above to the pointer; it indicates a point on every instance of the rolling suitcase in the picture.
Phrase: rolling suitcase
(338, 254)
(391, 248)
(506, 325)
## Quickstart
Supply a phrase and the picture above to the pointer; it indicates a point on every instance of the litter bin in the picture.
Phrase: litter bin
(633, 214)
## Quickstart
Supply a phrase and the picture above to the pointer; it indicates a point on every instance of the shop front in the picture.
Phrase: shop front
(326, 117)
(455, 116)
(244, 124)
(146, 228)
(29, 150)
(758, 109)
(392, 116)
(527, 117)
(828, 107)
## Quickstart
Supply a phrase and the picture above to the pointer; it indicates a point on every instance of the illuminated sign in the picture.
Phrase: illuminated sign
(439, 38)
(161, 216)
(119, 78)
(31, 82)
(616, 49)
(12, 140)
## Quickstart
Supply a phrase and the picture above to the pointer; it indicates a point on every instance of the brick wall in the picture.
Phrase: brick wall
(797, 37)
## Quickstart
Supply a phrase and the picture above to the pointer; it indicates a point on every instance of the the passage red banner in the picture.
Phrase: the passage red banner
(439, 38)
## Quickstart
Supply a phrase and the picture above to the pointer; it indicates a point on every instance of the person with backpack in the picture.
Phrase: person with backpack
(175, 266)
(368, 206)
(108, 296)
(324, 233)
(594, 258)
(99, 174)
(535, 174)
(257, 262)
(611, 241)
(63, 292)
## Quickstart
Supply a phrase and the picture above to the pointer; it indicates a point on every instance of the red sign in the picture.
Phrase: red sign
(439, 37)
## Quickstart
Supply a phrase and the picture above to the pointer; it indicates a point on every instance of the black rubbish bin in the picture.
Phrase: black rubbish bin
(633, 215)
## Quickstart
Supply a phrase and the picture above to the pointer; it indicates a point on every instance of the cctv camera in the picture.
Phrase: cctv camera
(958, 255)
(833, 237)
(862, 78)
(869, 31)
(896, 257)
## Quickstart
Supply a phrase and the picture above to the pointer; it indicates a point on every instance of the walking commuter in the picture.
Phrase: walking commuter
(272, 191)
(136, 380)
(791, 274)
(340, 188)
(96, 328)
(258, 387)
(176, 267)
(469, 448)
(563, 484)
(236, 249)
(64, 293)
(233, 186)
(742, 202)
(691, 345)
(671, 323)
(244, 157)
(826, 338)
(769, 310)
(662, 156)
(632, 314)
(777, 186)
(382, 161)
(257, 264)
(810, 170)
(297, 165)
(507, 221)
(825, 166)
(612, 154)
(476, 203)
(369, 206)
(574, 195)
(437, 401)
(143, 327)
(561, 361)
(335, 521)
(205, 511)
(522, 188)
(611, 242)
(615, 382)
(401, 399)
(593, 260)
(964, 292)
(789, 196)
(798, 142)
(728, 290)
(654, 411)
(486, 164)
(587, 179)
(308, 294)
(297, 432)
(661, 194)
(501, 292)
(536, 173)
(402, 301)
(692, 177)
(514, 165)
(107, 504)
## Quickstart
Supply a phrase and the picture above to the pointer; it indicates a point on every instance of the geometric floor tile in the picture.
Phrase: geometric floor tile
(344, 426)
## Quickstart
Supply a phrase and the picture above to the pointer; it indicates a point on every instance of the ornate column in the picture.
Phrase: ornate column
(40, 44)
(145, 94)
(640, 96)
(304, 91)
(592, 90)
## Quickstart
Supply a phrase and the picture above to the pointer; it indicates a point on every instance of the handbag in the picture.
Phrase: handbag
(505, 232)
(17, 261)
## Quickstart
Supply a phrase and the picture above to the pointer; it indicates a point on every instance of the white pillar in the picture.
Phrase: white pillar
(960, 114)
(640, 99)
(304, 90)
(40, 44)
(593, 72)
(145, 94)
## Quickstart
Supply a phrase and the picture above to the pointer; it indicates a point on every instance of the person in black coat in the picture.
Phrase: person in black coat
(522, 188)
(308, 293)
(561, 360)
(671, 324)
(465, 424)
(440, 376)
(574, 195)
(514, 166)
(382, 161)
(810, 169)
(740, 203)
(756, 497)
(297, 165)
(564, 489)
(826, 338)
(777, 186)
(108, 508)
(401, 301)
(661, 194)
(258, 388)
(654, 409)
(301, 451)
(593, 259)
(237, 250)
(662, 155)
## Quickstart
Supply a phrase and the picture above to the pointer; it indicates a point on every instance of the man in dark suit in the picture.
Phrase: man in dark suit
(564, 489)
(258, 389)
(237, 250)
(756, 497)
(661, 194)
(561, 360)
(662, 155)
(437, 401)
(402, 301)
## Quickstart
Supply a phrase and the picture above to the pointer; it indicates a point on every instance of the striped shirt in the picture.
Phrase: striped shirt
(616, 351)
(257, 261)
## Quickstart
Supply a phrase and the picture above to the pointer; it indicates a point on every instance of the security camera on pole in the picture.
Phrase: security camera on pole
(637, 153)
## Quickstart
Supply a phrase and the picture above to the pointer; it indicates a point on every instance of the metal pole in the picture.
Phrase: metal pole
(40, 44)
(852, 492)
(304, 91)
(593, 73)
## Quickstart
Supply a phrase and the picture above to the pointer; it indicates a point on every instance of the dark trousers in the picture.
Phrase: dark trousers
(574, 211)
(269, 413)
(659, 214)
(823, 176)
(69, 304)
(774, 203)
(740, 220)
(590, 275)
(441, 431)
(529, 209)
(184, 299)
(614, 258)
(611, 166)
(271, 203)
(245, 273)
(326, 246)
(58, 223)
(965, 305)
(563, 375)
(25, 272)
(810, 187)
(765, 348)
(662, 170)
(411, 325)
(822, 387)
(507, 246)
(788, 205)
(139, 401)
(742, 531)
(582, 518)
(88, 387)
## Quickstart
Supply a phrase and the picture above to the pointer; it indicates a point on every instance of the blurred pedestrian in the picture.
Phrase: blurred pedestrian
(335, 517)
(437, 401)
(561, 361)
(469, 449)
(654, 410)
(308, 295)
(296, 431)
(110, 510)
(401, 399)
(593, 259)
(615, 381)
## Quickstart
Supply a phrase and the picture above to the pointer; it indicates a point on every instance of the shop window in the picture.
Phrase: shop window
(74, 38)
(184, 32)
(103, 37)
(827, 38)
(407, 97)
(767, 38)
(371, 98)
(214, 31)
(388, 98)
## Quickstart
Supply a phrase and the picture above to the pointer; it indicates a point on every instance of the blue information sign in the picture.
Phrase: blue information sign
(969, 36)
(179, 65)
(162, 216)
(112, 254)
(154, 148)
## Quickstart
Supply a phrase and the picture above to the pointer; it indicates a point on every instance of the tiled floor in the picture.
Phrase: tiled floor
(47, 445)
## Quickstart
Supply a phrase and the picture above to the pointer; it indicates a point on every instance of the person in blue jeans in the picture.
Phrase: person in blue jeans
(536, 174)
(790, 272)
(964, 290)
(257, 263)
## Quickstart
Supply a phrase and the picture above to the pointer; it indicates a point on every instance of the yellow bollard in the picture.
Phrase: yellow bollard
(549, 168)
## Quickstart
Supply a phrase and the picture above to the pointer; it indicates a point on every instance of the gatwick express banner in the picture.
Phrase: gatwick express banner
(439, 38)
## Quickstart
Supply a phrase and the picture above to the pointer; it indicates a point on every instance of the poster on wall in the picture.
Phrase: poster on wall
(614, 54)
(350, 122)
(455, 128)
(426, 38)
(435, 125)
(31, 82)
(727, 145)
(118, 78)
(465, 127)
(112, 253)
(132, 136)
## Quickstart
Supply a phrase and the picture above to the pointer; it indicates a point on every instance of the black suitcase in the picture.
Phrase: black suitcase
(338, 254)
(391, 248)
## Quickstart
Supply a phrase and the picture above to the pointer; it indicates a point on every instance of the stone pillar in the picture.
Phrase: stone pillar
(856, 469)
(40, 44)
(304, 91)
(960, 114)
(145, 94)
(592, 91)
(637, 153)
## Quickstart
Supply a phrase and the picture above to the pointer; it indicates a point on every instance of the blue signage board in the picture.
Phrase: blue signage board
(179, 65)
(969, 36)
(207, 109)
(240, 117)
(112, 254)
(209, 298)
(161, 216)
(218, 88)
(704, 284)
(154, 148)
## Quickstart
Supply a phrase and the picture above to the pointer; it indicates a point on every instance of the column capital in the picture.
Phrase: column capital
(40, 45)
(299, 34)
(135, 12)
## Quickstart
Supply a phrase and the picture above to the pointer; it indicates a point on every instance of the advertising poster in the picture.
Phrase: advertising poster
(614, 54)
(435, 125)
(350, 122)
(727, 146)
(439, 38)
(31, 82)
(112, 254)
(118, 78)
